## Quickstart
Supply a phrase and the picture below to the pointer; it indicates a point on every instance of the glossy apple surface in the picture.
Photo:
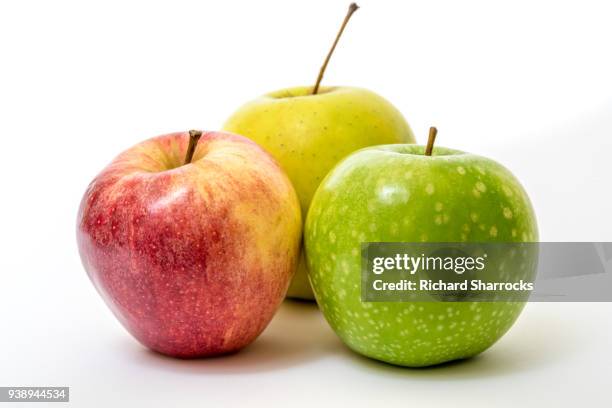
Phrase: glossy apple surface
(309, 134)
(396, 194)
(192, 259)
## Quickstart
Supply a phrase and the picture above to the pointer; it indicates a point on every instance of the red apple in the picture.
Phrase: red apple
(193, 259)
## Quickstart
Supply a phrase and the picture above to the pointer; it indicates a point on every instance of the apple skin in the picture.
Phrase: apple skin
(395, 193)
(309, 134)
(192, 259)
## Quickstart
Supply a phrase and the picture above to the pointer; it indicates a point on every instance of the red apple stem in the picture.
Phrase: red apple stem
(352, 8)
(194, 136)
(430, 142)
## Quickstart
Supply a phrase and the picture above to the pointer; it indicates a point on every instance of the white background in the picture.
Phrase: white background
(527, 83)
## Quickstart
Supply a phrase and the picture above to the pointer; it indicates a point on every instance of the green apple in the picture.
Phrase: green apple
(309, 134)
(396, 193)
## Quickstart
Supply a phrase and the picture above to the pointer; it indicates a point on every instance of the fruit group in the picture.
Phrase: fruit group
(194, 258)
(308, 134)
(395, 193)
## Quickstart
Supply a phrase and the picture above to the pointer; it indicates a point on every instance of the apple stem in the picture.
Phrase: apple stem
(194, 136)
(430, 142)
(352, 8)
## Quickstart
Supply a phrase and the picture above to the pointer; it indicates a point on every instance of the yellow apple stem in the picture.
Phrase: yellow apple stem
(194, 136)
(352, 8)
(430, 142)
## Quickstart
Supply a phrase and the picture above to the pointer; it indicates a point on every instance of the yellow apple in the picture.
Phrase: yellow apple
(309, 134)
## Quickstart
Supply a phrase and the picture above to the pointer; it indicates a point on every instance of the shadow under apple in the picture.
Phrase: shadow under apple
(530, 346)
(298, 334)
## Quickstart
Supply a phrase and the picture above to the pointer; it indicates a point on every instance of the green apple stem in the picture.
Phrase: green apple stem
(352, 8)
(194, 136)
(430, 142)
